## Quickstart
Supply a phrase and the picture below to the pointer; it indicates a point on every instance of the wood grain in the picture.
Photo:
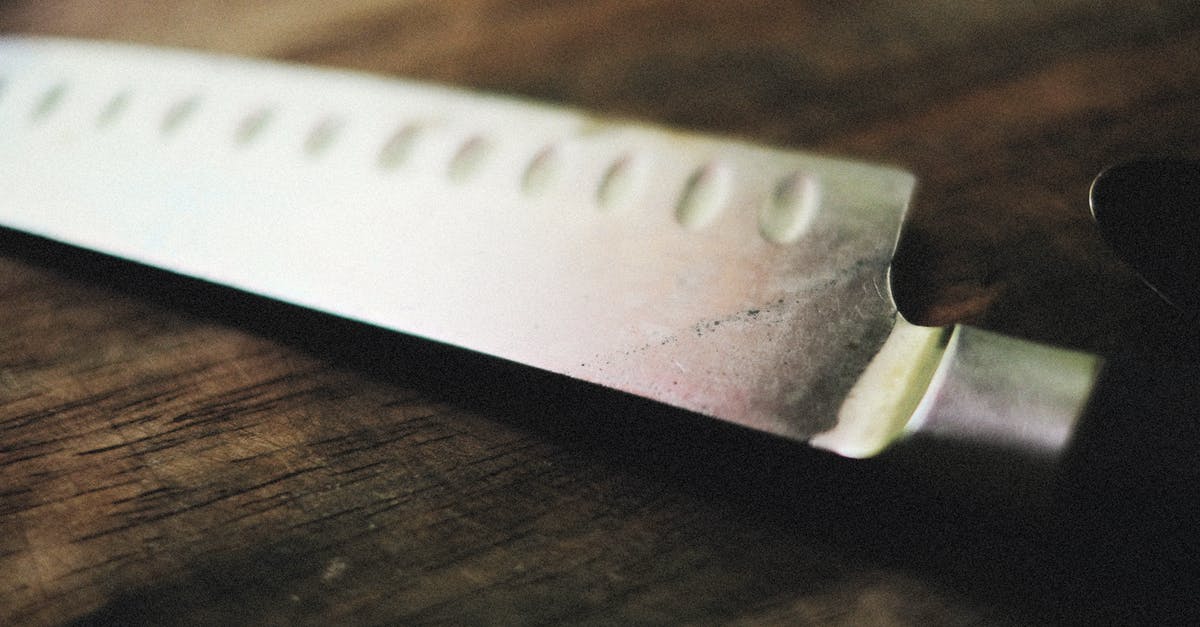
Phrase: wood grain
(174, 453)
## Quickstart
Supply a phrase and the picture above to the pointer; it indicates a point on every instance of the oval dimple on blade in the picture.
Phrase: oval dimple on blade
(790, 208)
(704, 195)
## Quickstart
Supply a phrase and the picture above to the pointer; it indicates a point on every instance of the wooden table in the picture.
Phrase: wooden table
(175, 453)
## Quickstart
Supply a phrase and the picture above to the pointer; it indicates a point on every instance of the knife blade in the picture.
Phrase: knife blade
(743, 282)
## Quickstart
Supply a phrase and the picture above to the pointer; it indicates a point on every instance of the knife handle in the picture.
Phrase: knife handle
(1129, 485)
(1142, 429)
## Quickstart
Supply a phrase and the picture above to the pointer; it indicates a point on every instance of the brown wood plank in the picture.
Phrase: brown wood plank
(172, 452)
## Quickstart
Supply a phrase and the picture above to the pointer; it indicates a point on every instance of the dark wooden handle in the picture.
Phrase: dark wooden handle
(1131, 483)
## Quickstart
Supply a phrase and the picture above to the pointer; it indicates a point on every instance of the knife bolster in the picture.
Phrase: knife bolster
(1006, 394)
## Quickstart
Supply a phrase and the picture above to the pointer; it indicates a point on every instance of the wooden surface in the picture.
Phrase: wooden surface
(173, 453)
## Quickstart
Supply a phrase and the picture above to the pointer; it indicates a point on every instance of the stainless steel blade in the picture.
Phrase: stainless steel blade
(738, 281)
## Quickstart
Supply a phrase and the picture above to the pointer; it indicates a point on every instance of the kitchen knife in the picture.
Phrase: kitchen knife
(742, 282)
